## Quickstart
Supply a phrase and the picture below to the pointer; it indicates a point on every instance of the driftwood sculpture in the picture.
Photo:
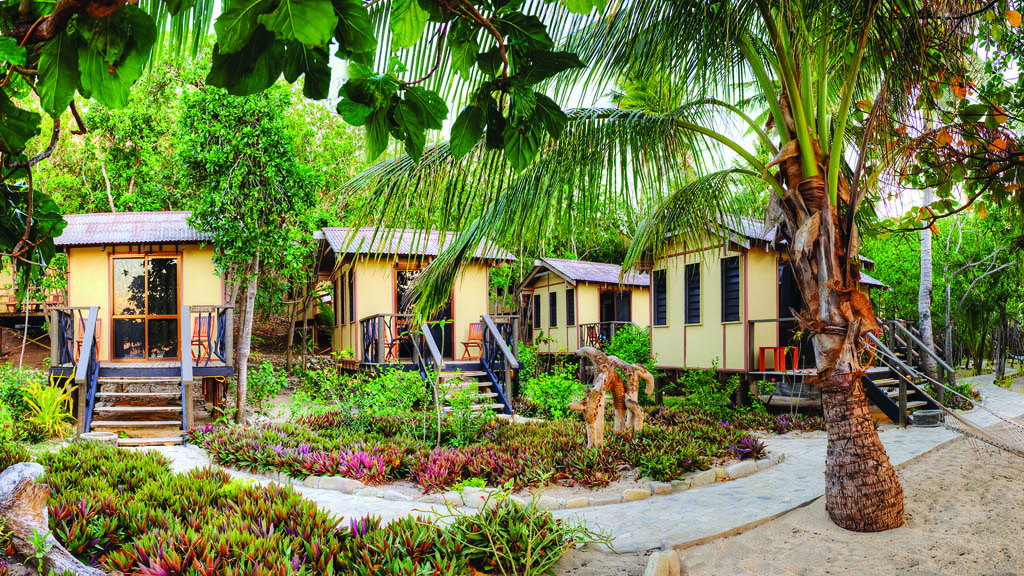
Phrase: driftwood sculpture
(23, 505)
(623, 381)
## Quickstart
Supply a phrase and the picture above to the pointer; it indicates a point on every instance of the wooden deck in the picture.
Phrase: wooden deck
(149, 369)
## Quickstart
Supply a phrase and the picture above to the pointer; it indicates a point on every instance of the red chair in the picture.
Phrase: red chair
(475, 340)
(80, 335)
(201, 338)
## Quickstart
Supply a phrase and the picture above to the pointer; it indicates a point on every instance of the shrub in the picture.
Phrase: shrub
(49, 406)
(703, 391)
(12, 453)
(11, 394)
(263, 386)
(555, 390)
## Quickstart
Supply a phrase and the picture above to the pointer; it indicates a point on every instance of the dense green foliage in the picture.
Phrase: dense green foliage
(126, 511)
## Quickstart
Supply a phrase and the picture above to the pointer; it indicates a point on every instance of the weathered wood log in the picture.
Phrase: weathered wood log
(23, 505)
(623, 381)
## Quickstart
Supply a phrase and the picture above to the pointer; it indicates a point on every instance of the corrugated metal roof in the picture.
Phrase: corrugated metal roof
(869, 281)
(751, 228)
(401, 242)
(581, 271)
(128, 228)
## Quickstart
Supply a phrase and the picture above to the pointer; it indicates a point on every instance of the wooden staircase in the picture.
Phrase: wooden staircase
(475, 380)
(151, 403)
(897, 387)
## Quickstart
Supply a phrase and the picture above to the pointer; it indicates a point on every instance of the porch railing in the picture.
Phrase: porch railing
(65, 323)
(903, 339)
(185, 344)
(500, 355)
(426, 354)
(383, 336)
(598, 334)
(211, 336)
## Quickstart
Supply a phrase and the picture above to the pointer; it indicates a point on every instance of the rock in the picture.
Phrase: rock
(765, 464)
(634, 494)
(475, 497)
(518, 500)
(704, 478)
(741, 469)
(720, 473)
(311, 482)
(341, 484)
(23, 506)
(368, 491)
(548, 503)
(432, 499)
(660, 487)
(606, 500)
(659, 565)
(101, 437)
(396, 496)
(452, 498)
(674, 568)
(577, 502)
(680, 485)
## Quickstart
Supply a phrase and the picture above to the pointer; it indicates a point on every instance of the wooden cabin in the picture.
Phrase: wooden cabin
(576, 303)
(13, 312)
(372, 271)
(146, 305)
(727, 303)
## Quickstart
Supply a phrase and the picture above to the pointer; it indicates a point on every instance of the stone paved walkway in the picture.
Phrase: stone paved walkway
(698, 514)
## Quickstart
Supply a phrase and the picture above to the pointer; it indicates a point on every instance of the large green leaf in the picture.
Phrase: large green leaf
(546, 64)
(237, 23)
(407, 22)
(411, 129)
(377, 133)
(525, 31)
(17, 126)
(109, 81)
(551, 115)
(522, 141)
(354, 32)
(250, 70)
(310, 22)
(11, 52)
(584, 6)
(58, 74)
(355, 113)
(464, 47)
(432, 108)
(467, 130)
(313, 62)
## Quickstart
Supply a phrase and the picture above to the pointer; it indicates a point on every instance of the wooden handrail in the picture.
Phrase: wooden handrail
(185, 351)
(493, 328)
(85, 357)
(927, 350)
(84, 371)
(435, 352)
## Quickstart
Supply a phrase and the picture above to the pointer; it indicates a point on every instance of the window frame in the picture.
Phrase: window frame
(659, 294)
(734, 262)
(537, 325)
(570, 306)
(692, 317)
(552, 309)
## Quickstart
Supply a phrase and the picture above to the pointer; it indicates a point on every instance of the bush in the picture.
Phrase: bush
(49, 406)
(555, 390)
(12, 453)
(11, 394)
(263, 386)
(702, 391)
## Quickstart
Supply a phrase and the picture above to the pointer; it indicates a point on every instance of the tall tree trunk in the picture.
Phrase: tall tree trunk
(924, 297)
(949, 330)
(253, 282)
(1002, 332)
(291, 337)
(862, 491)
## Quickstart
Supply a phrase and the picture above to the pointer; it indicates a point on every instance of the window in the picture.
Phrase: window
(570, 307)
(339, 299)
(731, 289)
(351, 295)
(145, 307)
(552, 309)
(658, 282)
(536, 311)
(692, 293)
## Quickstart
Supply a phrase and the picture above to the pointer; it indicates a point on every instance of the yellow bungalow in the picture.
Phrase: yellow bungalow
(576, 303)
(372, 271)
(727, 303)
(145, 303)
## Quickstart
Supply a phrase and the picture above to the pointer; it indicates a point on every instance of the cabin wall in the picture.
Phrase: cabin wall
(374, 293)
(713, 342)
(89, 280)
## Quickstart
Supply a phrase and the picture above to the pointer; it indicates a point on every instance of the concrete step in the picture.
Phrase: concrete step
(165, 441)
(135, 423)
(137, 409)
(482, 407)
(138, 394)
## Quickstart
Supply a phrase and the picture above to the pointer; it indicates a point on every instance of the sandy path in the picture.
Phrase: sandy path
(965, 515)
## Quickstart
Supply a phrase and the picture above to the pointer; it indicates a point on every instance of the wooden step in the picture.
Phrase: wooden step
(482, 407)
(166, 441)
(916, 404)
(136, 409)
(446, 375)
(135, 423)
(138, 394)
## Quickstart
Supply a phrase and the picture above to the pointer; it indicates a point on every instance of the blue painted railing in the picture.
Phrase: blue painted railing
(87, 368)
(498, 358)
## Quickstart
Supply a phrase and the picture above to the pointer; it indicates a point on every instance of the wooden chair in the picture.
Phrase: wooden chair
(80, 335)
(475, 340)
(394, 342)
(593, 336)
(12, 301)
(201, 326)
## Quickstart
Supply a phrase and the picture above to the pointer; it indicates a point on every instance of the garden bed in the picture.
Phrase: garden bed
(399, 456)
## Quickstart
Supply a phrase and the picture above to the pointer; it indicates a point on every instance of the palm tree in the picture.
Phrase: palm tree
(806, 67)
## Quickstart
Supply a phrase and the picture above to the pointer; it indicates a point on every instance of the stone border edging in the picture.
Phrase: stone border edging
(472, 497)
